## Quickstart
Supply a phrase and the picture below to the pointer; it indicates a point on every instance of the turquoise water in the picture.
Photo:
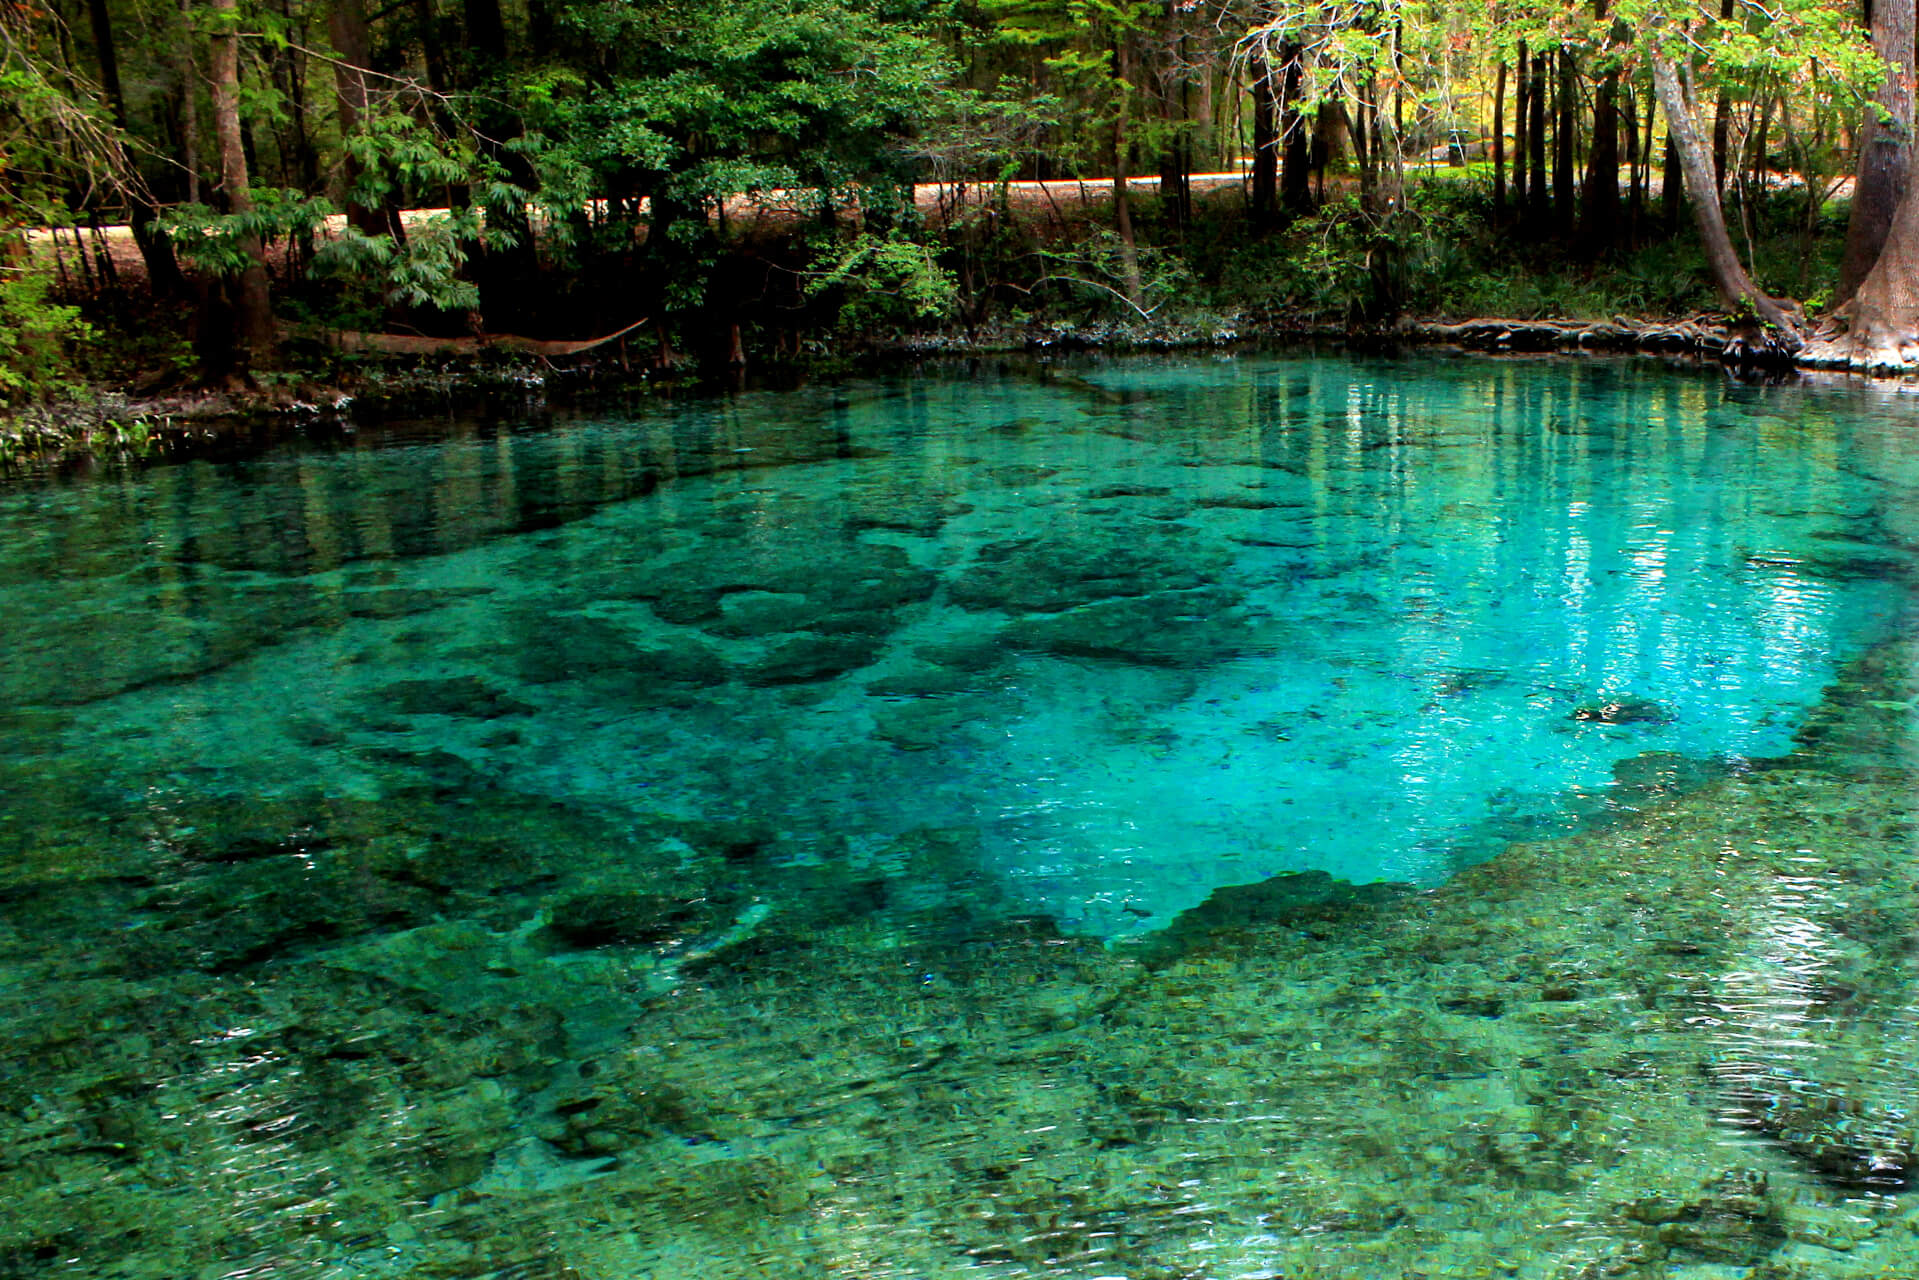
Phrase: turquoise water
(1152, 629)
(856, 831)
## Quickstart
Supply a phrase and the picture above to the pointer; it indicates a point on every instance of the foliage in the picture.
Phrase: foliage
(885, 280)
(373, 272)
(215, 242)
(54, 135)
(39, 338)
(722, 167)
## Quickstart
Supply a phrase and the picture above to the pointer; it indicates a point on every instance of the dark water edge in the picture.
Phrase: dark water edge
(321, 1037)
(416, 405)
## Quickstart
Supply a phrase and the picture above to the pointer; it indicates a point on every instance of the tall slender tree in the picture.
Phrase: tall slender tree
(250, 293)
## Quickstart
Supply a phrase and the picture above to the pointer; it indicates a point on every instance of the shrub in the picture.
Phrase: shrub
(40, 339)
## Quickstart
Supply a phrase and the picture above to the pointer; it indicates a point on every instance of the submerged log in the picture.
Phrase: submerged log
(411, 344)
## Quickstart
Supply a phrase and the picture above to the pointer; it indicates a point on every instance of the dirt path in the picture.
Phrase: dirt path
(77, 254)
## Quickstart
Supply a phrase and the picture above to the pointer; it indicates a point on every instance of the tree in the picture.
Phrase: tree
(1691, 53)
(1877, 327)
(1677, 100)
(163, 269)
(690, 105)
(1881, 318)
(1095, 55)
(251, 299)
(1884, 146)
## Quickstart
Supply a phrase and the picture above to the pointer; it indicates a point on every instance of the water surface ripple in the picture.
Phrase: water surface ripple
(1181, 817)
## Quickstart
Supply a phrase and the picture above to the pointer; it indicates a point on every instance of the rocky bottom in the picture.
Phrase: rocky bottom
(476, 1037)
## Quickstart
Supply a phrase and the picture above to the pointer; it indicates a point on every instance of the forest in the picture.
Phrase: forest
(239, 192)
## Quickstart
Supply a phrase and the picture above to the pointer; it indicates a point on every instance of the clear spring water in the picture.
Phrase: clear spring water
(1148, 628)
(731, 838)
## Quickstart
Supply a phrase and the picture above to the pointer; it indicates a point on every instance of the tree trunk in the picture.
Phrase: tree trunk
(1536, 197)
(1601, 215)
(1883, 149)
(1702, 192)
(1176, 160)
(430, 46)
(1206, 152)
(1669, 181)
(163, 268)
(1721, 116)
(299, 158)
(1522, 103)
(347, 28)
(252, 303)
(1122, 195)
(1499, 145)
(1265, 144)
(1882, 317)
(189, 106)
(1295, 193)
(1384, 193)
(1564, 129)
(486, 30)
(1639, 163)
(1329, 133)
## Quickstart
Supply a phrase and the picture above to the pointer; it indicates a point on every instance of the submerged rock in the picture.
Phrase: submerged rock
(806, 657)
(1660, 772)
(1622, 711)
(1293, 896)
(921, 723)
(467, 696)
(836, 581)
(1047, 575)
(665, 668)
(1172, 628)
(922, 518)
(1850, 1142)
(629, 918)
(1734, 1220)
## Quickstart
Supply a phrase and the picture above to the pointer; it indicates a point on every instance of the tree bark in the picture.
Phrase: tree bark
(1536, 197)
(1601, 214)
(1882, 317)
(1721, 116)
(163, 268)
(252, 302)
(1702, 192)
(1176, 160)
(1884, 146)
(1265, 144)
(1564, 130)
(1294, 191)
(1122, 194)
(347, 28)
(1639, 161)
(430, 45)
(1499, 144)
(1669, 181)
(486, 31)
(1388, 182)
(1522, 102)
(189, 107)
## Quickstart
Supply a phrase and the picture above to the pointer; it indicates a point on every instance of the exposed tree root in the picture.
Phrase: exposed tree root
(1622, 333)
(408, 344)
(1862, 342)
(1888, 353)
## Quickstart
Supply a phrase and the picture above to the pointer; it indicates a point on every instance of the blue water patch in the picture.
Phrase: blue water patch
(1108, 635)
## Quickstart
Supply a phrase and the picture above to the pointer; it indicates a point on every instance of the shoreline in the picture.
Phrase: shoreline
(120, 423)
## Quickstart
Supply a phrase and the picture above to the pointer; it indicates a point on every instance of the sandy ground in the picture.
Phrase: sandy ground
(939, 202)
